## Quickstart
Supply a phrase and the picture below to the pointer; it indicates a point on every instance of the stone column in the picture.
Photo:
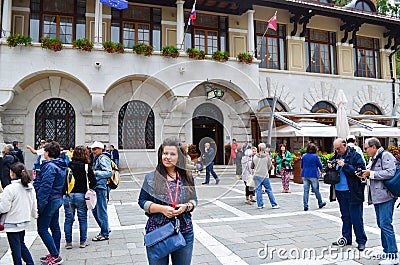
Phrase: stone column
(180, 24)
(6, 19)
(97, 108)
(250, 32)
(98, 23)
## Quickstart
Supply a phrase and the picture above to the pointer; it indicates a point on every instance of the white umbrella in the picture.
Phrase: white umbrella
(342, 125)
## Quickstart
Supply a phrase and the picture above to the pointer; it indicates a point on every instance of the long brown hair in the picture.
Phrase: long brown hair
(160, 173)
(81, 154)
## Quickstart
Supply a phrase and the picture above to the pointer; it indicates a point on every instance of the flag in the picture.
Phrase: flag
(272, 23)
(192, 16)
(118, 4)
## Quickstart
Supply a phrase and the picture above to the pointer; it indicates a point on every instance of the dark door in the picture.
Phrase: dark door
(204, 127)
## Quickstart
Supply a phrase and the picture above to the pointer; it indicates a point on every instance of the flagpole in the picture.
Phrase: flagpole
(187, 27)
(265, 32)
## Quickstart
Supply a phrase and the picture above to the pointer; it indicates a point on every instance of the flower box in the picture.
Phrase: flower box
(142, 48)
(82, 44)
(245, 58)
(196, 54)
(220, 56)
(51, 44)
(113, 47)
(18, 39)
(170, 51)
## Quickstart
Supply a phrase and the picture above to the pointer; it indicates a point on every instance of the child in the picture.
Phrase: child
(18, 200)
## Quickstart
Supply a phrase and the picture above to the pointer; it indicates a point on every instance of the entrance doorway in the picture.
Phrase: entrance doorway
(207, 122)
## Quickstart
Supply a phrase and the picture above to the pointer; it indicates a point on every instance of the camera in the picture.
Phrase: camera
(359, 172)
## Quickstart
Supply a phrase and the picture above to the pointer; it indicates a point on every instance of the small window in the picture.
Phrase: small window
(370, 109)
(324, 107)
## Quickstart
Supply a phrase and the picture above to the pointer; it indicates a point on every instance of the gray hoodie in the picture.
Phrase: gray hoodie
(261, 164)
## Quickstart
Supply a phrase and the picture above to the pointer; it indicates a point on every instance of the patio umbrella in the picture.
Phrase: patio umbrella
(342, 125)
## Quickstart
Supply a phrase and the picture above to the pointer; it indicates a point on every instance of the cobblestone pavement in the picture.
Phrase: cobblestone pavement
(227, 231)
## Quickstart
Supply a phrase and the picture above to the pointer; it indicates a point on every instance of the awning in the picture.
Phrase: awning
(378, 130)
(309, 127)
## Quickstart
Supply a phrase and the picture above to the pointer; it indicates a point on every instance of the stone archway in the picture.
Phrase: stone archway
(207, 122)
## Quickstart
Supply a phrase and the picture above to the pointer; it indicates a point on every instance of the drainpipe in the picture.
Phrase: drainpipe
(393, 77)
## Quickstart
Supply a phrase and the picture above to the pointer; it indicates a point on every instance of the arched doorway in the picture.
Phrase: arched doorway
(207, 122)
(55, 119)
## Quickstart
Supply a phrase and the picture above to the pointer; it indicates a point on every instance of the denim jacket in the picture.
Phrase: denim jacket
(147, 197)
(102, 167)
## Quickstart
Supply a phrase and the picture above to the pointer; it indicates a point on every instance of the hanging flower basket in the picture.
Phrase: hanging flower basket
(245, 58)
(196, 54)
(18, 39)
(220, 56)
(82, 44)
(51, 44)
(170, 51)
(142, 48)
(113, 47)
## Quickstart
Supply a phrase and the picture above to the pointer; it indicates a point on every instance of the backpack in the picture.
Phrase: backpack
(393, 184)
(115, 179)
(70, 181)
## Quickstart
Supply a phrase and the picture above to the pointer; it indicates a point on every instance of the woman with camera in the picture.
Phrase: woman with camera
(283, 161)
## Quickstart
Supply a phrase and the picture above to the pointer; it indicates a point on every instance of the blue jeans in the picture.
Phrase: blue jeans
(49, 219)
(384, 217)
(314, 183)
(182, 256)
(116, 161)
(18, 248)
(352, 216)
(210, 169)
(75, 202)
(100, 211)
(260, 181)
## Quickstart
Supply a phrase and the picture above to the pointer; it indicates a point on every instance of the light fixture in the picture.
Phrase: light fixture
(213, 92)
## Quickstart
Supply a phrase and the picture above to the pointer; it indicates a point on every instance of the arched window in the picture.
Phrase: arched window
(55, 119)
(324, 107)
(370, 109)
(136, 126)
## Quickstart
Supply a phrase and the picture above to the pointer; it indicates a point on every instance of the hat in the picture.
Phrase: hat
(97, 144)
(351, 137)
(42, 141)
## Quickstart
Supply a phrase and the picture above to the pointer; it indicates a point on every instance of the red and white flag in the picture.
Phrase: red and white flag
(272, 23)
(192, 16)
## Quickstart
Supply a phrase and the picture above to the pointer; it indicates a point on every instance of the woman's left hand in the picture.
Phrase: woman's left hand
(179, 209)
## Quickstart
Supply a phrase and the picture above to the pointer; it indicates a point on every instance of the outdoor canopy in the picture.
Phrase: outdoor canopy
(379, 130)
(309, 127)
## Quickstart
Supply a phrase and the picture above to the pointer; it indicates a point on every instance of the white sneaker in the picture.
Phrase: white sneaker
(260, 207)
(389, 261)
(276, 207)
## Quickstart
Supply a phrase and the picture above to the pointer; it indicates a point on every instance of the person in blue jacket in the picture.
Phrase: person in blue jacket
(310, 164)
(49, 186)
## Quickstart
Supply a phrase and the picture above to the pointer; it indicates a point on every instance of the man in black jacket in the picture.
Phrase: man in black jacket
(349, 193)
(8, 159)
(208, 157)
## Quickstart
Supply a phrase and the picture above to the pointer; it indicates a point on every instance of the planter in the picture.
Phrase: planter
(193, 156)
(297, 172)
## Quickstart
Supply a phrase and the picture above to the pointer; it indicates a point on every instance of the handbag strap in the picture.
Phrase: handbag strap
(87, 178)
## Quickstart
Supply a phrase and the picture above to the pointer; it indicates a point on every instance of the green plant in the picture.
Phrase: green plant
(324, 158)
(303, 150)
(220, 56)
(245, 58)
(196, 53)
(142, 48)
(113, 47)
(82, 44)
(192, 149)
(170, 51)
(366, 157)
(51, 44)
(18, 39)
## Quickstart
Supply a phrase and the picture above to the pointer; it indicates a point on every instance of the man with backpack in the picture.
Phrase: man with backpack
(102, 170)
(8, 159)
(381, 167)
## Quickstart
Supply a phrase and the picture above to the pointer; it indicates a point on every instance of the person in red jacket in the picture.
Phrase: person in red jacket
(233, 151)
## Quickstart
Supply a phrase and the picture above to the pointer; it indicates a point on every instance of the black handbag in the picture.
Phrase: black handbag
(332, 177)
(288, 167)
(164, 240)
